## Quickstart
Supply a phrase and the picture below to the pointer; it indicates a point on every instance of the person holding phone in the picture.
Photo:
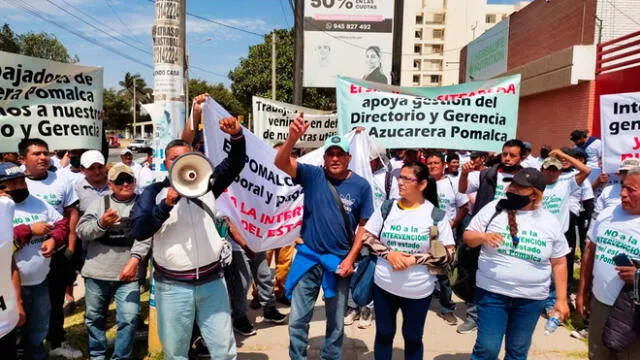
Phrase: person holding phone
(606, 265)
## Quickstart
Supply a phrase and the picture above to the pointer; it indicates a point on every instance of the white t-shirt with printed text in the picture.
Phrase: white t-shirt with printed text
(33, 266)
(614, 231)
(501, 186)
(407, 231)
(556, 199)
(449, 197)
(56, 190)
(522, 271)
(8, 305)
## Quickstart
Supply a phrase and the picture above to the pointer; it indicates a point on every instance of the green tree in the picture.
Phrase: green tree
(253, 75)
(117, 109)
(8, 40)
(219, 93)
(45, 46)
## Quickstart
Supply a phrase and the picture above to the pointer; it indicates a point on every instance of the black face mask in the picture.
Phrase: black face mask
(514, 201)
(75, 161)
(18, 195)
(509, 168)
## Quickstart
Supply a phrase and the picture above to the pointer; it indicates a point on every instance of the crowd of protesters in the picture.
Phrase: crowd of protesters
(510, 225)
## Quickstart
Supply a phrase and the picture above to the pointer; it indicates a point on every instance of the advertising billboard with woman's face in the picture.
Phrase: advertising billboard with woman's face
(347, 37)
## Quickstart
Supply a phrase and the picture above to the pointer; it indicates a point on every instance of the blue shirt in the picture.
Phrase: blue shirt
(323, 229)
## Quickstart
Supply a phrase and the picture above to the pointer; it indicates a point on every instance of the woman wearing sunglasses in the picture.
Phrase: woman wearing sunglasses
(522, 245)
(403, 280)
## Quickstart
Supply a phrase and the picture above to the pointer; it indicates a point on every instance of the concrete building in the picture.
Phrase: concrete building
(434, 31)
(552, 45)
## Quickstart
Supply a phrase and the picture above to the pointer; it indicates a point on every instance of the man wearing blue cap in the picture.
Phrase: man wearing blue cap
(336, 202)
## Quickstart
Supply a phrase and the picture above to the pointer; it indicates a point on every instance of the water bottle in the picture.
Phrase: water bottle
(552, 323)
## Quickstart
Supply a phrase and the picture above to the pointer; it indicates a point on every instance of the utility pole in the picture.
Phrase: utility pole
(134, 106)
(273, 65)
(299, 52)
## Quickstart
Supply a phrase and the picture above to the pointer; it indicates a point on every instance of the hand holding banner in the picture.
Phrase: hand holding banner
(263, 202)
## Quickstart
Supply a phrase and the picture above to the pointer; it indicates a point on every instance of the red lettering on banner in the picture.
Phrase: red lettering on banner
(234, 201)
(251, 228)
(251, 212)
(283, 230)
(283, 216)
(637, 141)
(629, 156)
(510, 89)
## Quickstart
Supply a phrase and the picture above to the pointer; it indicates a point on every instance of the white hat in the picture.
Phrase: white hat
(629, 164)
(125, 151)
(91, 157)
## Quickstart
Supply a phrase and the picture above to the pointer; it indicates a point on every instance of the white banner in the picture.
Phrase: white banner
(57, 102)
(271, 121)
(347, 37)
(168, 81)
(263, 201)
(620, 128)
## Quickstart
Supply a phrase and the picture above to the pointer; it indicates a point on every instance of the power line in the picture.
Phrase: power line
(97, 28)
(113, 10)
(284, 14)
(219, 23)
(28, 8)
(624, 13)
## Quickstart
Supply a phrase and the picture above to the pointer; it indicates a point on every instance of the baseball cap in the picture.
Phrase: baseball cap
(9, 170)
(338, 141)
(578, 152)
(577, 134)
(629, 164)
(118, 169)
(91, 157)
(125, 151)
(529, 177)
(552, 161)
(526, 145)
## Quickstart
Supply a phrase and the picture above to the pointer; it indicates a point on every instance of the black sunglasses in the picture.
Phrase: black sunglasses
(124, 178)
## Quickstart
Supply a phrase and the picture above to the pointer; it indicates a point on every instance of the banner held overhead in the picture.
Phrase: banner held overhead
(620, 127)
(59, 103)
(474, 116)
(272, 119)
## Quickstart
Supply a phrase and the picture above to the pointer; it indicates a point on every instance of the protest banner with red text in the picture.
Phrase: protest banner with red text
(620, 129)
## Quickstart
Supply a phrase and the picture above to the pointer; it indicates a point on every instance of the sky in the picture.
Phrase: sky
(212, 47)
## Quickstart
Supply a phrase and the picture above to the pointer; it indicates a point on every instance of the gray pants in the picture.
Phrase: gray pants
(239, 277)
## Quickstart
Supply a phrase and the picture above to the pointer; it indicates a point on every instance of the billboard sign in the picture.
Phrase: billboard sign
(487, 55)
(347, 37)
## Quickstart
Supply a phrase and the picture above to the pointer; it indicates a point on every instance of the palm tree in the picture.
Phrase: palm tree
(143, 93)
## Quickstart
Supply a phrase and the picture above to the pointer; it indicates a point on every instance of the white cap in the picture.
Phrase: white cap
(629, 164)
(91, 157)
(125, 151)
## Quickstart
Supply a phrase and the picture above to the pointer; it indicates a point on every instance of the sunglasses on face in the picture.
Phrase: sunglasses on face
(124, 178)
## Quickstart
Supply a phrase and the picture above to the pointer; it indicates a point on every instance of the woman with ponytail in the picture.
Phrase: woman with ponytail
(522, 245)
(402, 233)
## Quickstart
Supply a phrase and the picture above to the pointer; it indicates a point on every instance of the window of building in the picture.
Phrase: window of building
(438, 34)
(416, 64)
(416, 79)
(435, 79)
(419, 20)
(419, 34)
(436, 49)
(490, 19)
(417, 48)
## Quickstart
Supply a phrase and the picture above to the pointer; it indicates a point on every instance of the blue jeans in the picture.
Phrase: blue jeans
(179, 304)
(414, 316)
(239, 276)
(500, 315)
(302, 303)
(98, 295)
(444, 295)
(36, 303)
